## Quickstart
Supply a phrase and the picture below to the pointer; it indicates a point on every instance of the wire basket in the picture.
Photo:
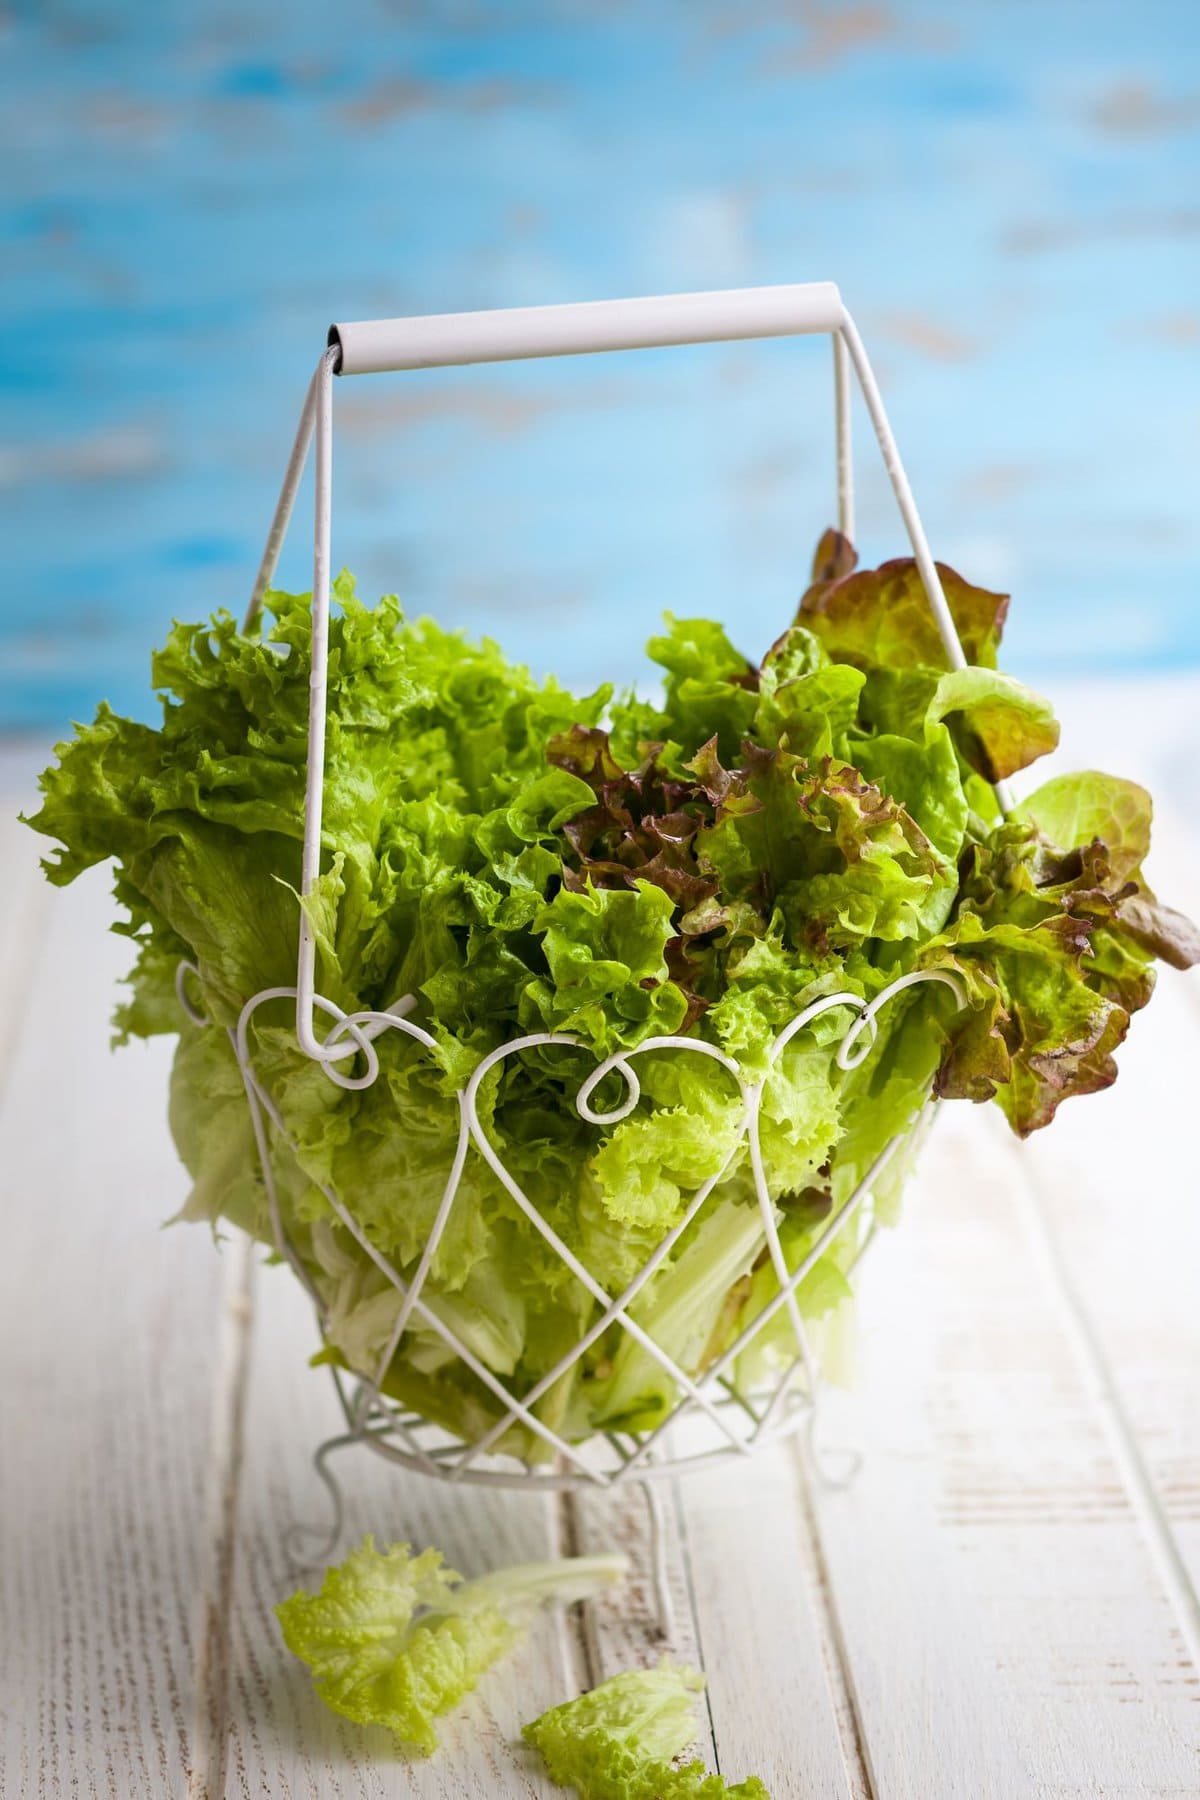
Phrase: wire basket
(713, 1418)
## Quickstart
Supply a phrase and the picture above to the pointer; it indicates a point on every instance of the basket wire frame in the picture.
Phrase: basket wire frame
(734, 1423)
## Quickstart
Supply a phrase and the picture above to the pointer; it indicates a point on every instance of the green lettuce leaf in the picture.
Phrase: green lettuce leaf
(840, 858)
(709, 689)
(1050, 941)
(505, 857)
(881, 618)
(620, 1741)
(398, 1640)
(1038, 1033)
(607, 978)
(1006, 725)
(681, 1309)
(1074, 810)
(806, 703)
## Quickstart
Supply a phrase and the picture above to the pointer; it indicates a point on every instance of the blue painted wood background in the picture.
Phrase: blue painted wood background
(1008, 193)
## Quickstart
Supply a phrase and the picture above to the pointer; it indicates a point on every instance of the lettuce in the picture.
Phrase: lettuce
(1054, 935)
(516, 859)
(398, 1640)
(881, 618)
(620, 1741)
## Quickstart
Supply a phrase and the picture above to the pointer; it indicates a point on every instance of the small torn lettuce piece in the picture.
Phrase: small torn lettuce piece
(398, 1640)
(620, 1741)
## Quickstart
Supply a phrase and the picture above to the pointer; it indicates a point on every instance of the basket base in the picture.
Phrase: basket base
(628, 1461)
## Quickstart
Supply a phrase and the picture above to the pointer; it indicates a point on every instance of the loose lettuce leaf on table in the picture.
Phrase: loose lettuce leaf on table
(620, 1741)
(398, 1640)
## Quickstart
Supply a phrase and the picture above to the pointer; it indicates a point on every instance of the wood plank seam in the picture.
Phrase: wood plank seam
(581, 1652)
(839, 1671)
(685, 1554)
(1140, 1488)
(210, 1675)
(622, 1626)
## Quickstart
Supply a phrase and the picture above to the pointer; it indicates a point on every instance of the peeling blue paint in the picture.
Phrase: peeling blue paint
(1008, 195)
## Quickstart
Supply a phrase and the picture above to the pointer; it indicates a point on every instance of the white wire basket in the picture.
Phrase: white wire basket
(713, 1418)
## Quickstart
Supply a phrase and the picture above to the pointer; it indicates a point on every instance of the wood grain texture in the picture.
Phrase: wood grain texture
(999, 1605)
(622, 1631)
(1115, 1196)
(107, 1329)
(279, 1736)
(24, 908)
(777, 1684)
(1006, 1626)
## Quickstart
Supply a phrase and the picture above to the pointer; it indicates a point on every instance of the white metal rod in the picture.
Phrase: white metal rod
(371, 346)
(310, 866)
(930, 578)
(845, 450)
(283, 507)
(922, 555)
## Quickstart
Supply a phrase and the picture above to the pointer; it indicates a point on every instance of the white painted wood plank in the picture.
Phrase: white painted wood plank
(1117, 1177)
(23, 912)
(622, 1630)
(1006, 1627)
(777, 1692)
(281, 1739)
(106, 1332)
(1118, 1190)
(986, 1561)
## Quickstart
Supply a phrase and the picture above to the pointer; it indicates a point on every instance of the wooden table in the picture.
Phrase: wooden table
(1003, 1603)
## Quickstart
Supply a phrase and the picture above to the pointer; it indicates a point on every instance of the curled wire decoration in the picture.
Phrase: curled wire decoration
(190, 1010)
(723, 1420)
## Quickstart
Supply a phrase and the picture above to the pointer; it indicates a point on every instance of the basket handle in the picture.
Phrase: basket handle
(448, 339)
(374, 346)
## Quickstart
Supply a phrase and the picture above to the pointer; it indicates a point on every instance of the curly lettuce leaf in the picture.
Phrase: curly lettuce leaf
(607, 980)
(205, 814)
(652, 1162)
(511, 858)
(1160, 930)
(399, 1640)
(620, 1741)
(1111, 818)
(1050, 940)
(840, 858)
(923, 777)
(709, 689)
(1037, 1033)
(806, 703)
